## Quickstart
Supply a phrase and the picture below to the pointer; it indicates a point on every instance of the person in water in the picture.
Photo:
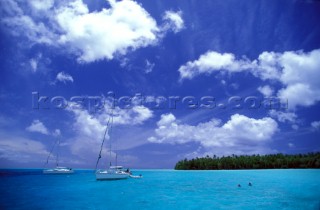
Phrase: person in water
(250, 184)
(239, 185)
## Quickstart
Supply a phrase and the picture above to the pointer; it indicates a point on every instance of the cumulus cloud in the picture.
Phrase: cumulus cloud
(297, 72)
(90, 127)
(266, 90)
(239, 132)
(38, 126)
(266, 66)
(99, 35)
(166, 119)
(41, 5)
(213, 62)
(173, 20)
(315, 125)
(299, 75)
(90, 35)
(89, 132)
(283, 116)
(64, 77)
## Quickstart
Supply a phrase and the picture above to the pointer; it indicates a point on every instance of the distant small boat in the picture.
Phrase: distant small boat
(58, 169)
(136, 177)
(113, 173)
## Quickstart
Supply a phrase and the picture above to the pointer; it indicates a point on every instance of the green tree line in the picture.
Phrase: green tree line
(272, 161)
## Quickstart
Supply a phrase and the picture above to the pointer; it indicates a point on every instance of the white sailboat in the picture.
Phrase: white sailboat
(113, 172)
(58, 169)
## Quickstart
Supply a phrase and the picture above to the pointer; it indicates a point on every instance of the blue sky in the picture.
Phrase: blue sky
(155, 53)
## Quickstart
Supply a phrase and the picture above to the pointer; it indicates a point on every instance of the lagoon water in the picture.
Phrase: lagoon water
(162, 189)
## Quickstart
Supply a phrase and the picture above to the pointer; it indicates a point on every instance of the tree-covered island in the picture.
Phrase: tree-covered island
(272, 161)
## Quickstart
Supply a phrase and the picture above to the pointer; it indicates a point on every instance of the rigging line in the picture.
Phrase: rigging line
(104, 138)
(101, 147)
(50, 152)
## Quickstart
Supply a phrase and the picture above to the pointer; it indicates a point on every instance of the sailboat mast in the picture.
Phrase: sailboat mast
(54, 145)
(116, 160)
(57, 163)
(104, 138)
(110, 137)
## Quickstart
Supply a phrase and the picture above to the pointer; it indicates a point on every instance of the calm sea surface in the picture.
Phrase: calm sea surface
(162, 189)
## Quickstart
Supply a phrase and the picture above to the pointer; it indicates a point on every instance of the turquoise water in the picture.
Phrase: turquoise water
(162, 189)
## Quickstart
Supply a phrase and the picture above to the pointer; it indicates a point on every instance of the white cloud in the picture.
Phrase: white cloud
(266, 66)
(149, 66)
(33, 64)
(211, 62)
(85, 124)
(91, 127)
(291, 145)
(315, 125)
(91, 36)
(140, 114)
(38, 126)
(103, 34)
(251, 129)
(10, 7)
(283, 116)
(166, 119)
(299, 75)
(132, 116)
(266, 90)
(41, 4)
(296, 71)
(239, 132)
(300, 95)
(22, 150)
(36, 32)
(89, 132)
(56, 132)
(64, 77)
(173, 21)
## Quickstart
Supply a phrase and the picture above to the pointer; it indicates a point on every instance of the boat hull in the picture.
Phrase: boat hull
(107, 175)
(58, 171)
